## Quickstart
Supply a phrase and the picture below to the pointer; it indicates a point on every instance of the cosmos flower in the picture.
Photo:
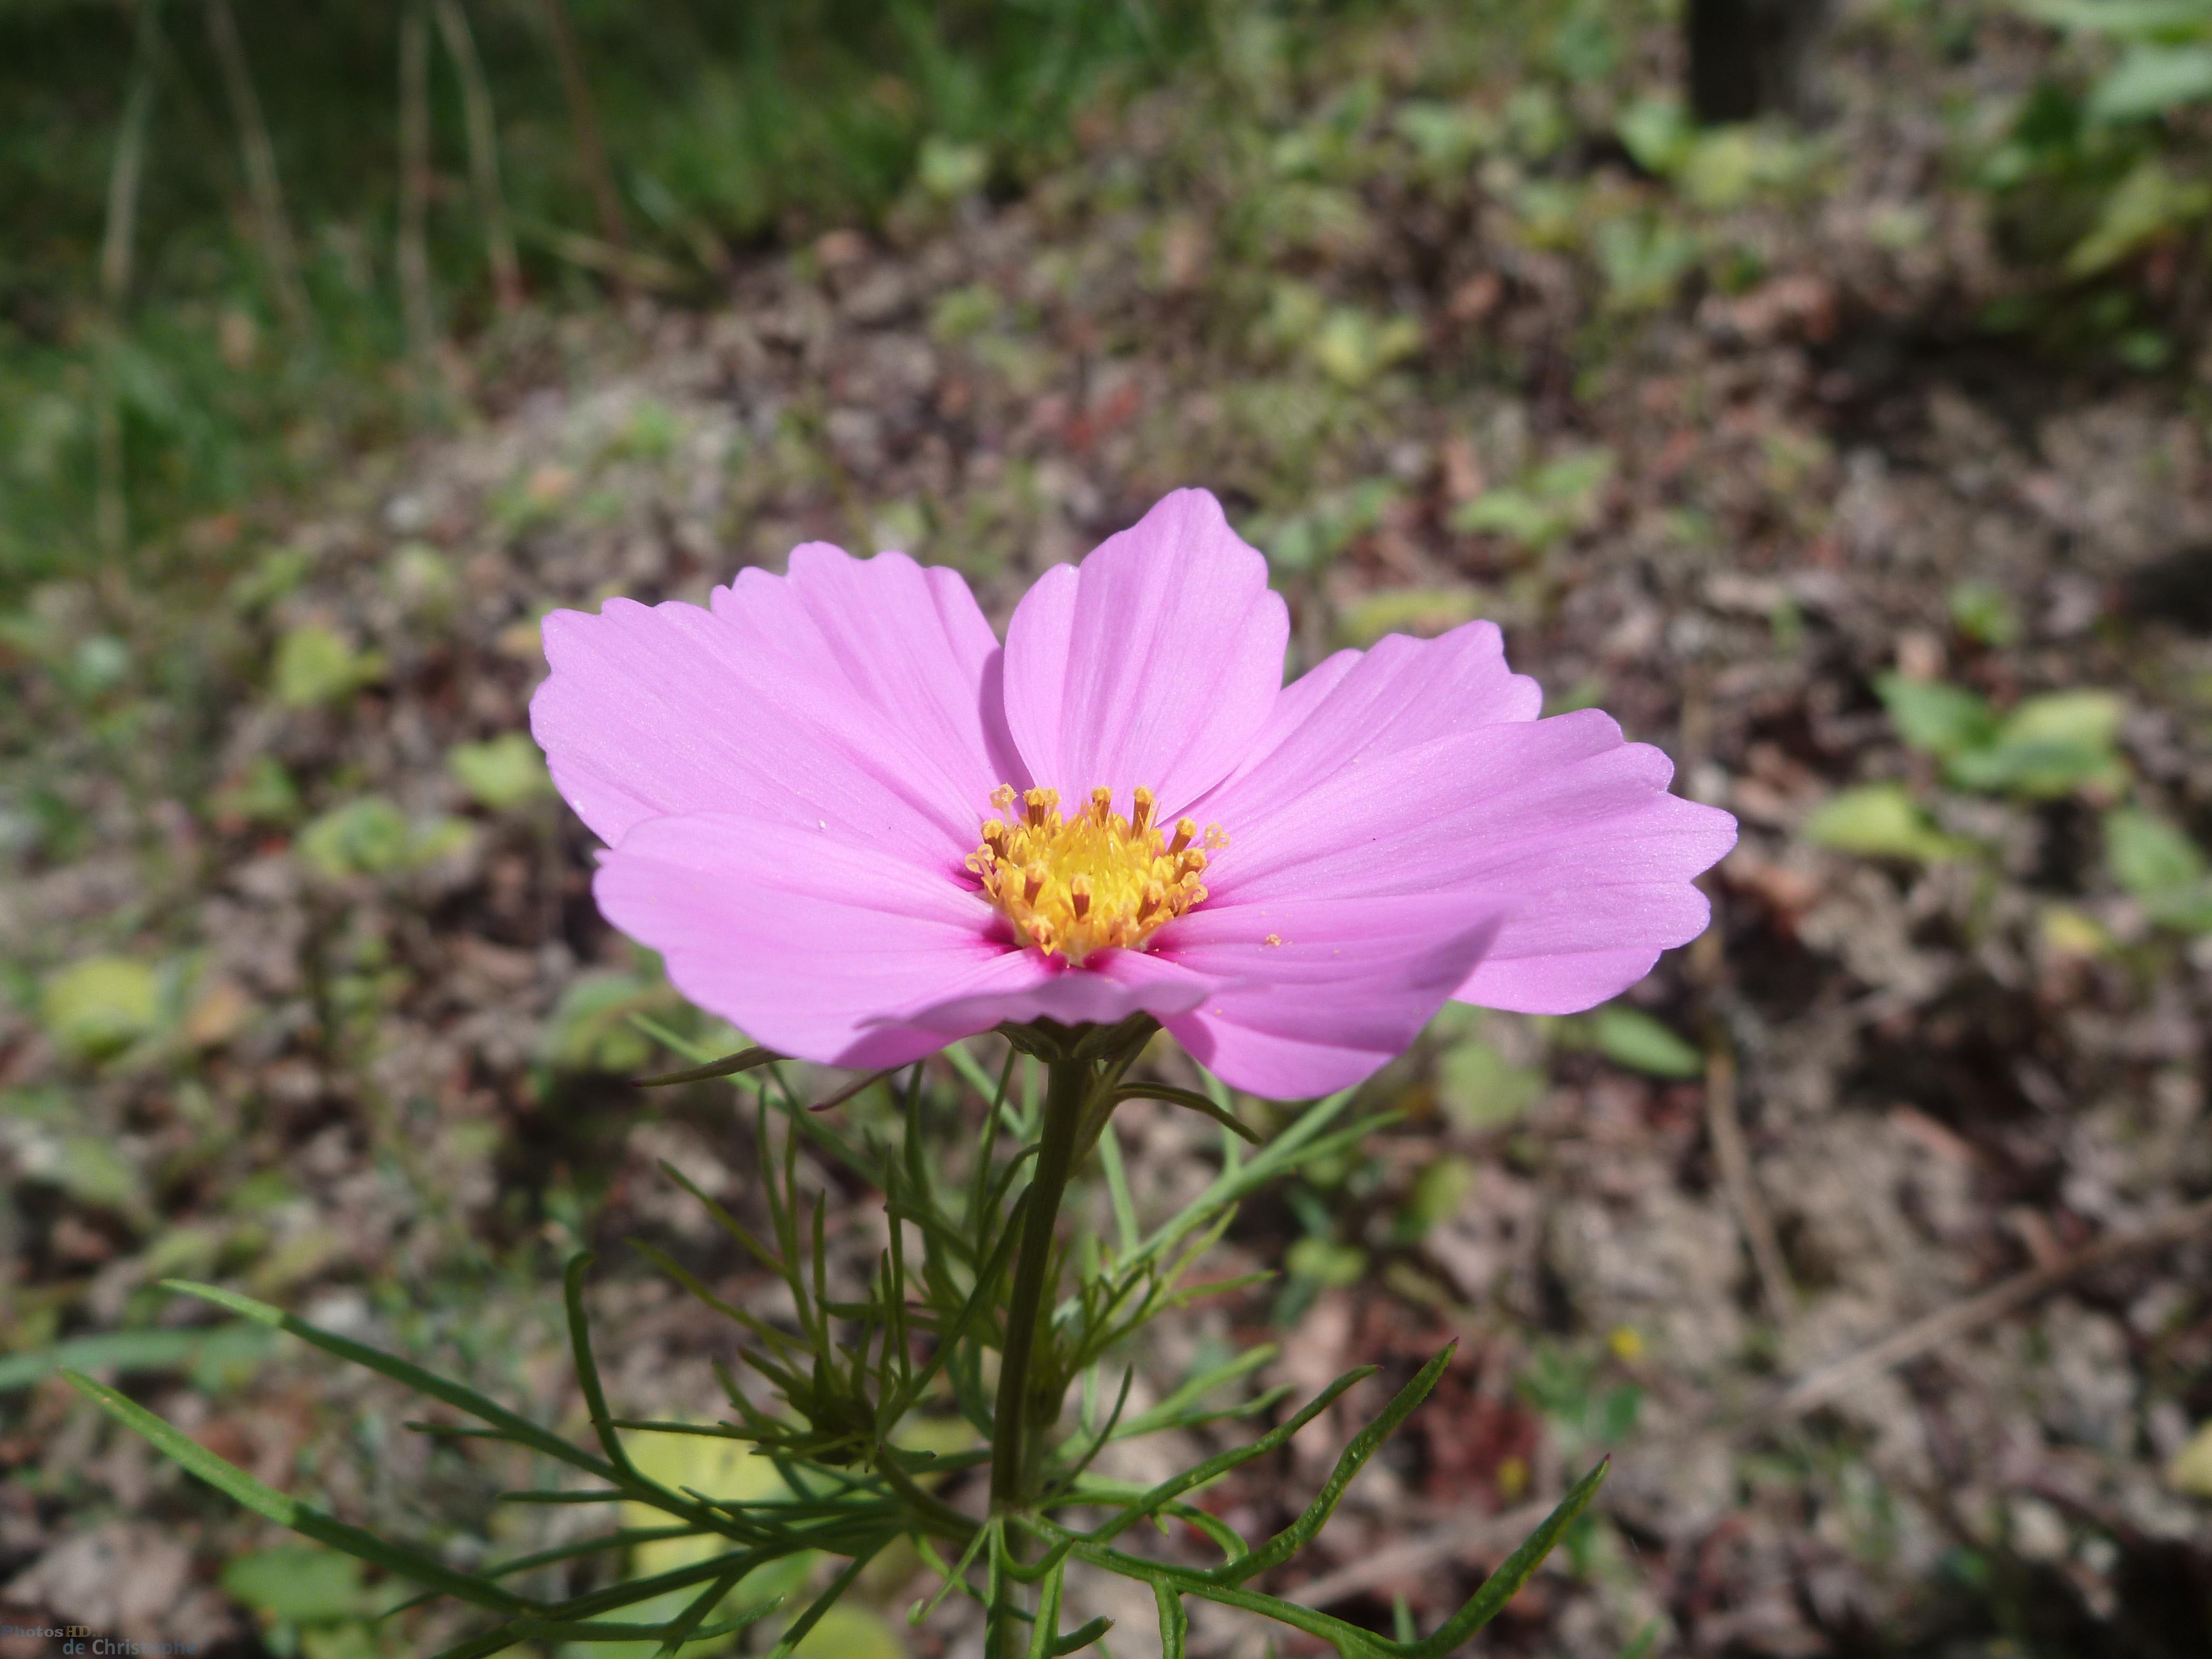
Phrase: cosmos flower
(858, 828)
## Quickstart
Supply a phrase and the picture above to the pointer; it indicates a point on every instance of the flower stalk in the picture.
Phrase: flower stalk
(1083, 1069)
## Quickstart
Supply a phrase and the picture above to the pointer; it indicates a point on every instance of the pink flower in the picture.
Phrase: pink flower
(859, 829)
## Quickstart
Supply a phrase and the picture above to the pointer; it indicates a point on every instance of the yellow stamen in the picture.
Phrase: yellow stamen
(1098, 881)
(1140, 815)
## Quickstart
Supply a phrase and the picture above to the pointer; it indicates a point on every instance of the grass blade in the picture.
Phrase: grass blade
(266, 1501)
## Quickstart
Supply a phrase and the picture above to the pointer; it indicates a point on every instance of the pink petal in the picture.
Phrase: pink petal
(1344, 985)
(1154, 662)
(1567, 828)
(850, 692)
(1354, 707)
(823, 948)
(804, 940)
(1108, 988)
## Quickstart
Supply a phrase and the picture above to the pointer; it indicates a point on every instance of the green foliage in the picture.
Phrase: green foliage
(1351, 346)
(1881, 821)
(1480, 1090)
(2045, 746)
(1628, 1037)
(593, 1027)
(1570, 1387)
(501, 773)
(1310, 539)
(1439, 1193)
(371, 836)
(2091, 176)
(973, 1308)
(1553, 502)
(1937, 718)
(2155, 863)
(1427, 611)
(264, 795)
(298, 1585)
(723, 123)
(212, 1355)
(317, 665)
(1984, 614)
(100, 1006)
(2148, 203)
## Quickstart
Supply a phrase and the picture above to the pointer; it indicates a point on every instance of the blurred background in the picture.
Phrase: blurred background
(1821, 388)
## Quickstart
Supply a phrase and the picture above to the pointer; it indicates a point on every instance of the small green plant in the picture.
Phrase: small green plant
(372, 837)
(501, 773)
(2045, 746)
(1881, 821)
(102, 1005)
(1553, 502)
(975, 1313)
(2159, 866)
(317, 665)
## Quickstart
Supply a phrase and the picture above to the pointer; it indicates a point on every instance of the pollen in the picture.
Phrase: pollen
(1097, 881)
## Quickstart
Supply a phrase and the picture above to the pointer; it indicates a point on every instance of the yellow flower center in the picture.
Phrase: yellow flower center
(1095, 882)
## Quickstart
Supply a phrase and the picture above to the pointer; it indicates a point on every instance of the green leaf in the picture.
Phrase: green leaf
(1352, 347)
(1480, 1090)
(1423, 613)
(1175, 1621)
(1656, 132)
(1629, 1037)
(371, 836)
(850, 1631)
(2149, 203)
(1880, 821)
(302, 1584)
(592, 1027)
(1325, 1261)
(2048, 746)
(210, 1352)
(744, 1060)
(317, 665)
(1518, 1568)
(1934, 717)
(1439, 1193)
(501, 773)
(100, 1006)
(1354, 1457)
(1192, 1100)
(2146, 856)
(2151, 81)
(1984, 614)
(949, 171)
(2155, 863)
(2126, 18)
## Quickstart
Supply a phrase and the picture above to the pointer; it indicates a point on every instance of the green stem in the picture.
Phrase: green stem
(1025, 1400)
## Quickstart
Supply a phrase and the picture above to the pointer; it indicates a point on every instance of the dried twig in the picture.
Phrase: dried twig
(414, 246)
(1818, 1387)
(629, 267)
(1725, 1129)
(484, 154)
(118, 243)
(584, 115)
(110, 519)
(276, 232)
